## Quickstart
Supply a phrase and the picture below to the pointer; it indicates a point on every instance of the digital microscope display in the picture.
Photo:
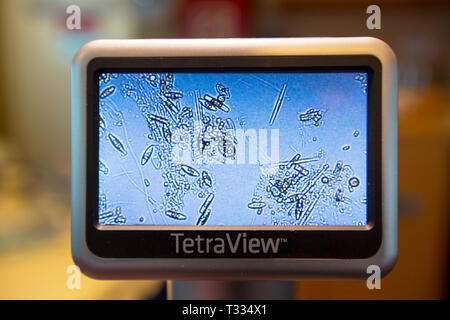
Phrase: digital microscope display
(233, 148)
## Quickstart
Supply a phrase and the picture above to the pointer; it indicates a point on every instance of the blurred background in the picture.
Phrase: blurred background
(36, 50)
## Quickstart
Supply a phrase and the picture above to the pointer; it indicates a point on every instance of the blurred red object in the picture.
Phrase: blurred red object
(215, 18)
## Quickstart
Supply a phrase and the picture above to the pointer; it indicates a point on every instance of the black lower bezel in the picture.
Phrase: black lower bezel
(344, 244)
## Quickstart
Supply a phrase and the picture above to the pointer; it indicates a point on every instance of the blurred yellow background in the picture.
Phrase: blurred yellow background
(36, 49)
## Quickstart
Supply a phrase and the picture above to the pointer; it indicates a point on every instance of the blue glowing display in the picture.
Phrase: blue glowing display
(222, 149)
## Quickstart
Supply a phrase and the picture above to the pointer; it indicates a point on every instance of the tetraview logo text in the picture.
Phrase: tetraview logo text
(228, 244)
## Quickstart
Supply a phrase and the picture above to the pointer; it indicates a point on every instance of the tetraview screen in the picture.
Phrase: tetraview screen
(234, 148)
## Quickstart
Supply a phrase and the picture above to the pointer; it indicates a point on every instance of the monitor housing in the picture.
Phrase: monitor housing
(177, 252)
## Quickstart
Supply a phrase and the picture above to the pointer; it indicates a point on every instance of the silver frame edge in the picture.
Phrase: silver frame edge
(229, 269)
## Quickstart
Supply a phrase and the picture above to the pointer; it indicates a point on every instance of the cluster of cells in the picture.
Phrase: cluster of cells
(111, 216)
(202, 129)
(362, 79)
(292, 189)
